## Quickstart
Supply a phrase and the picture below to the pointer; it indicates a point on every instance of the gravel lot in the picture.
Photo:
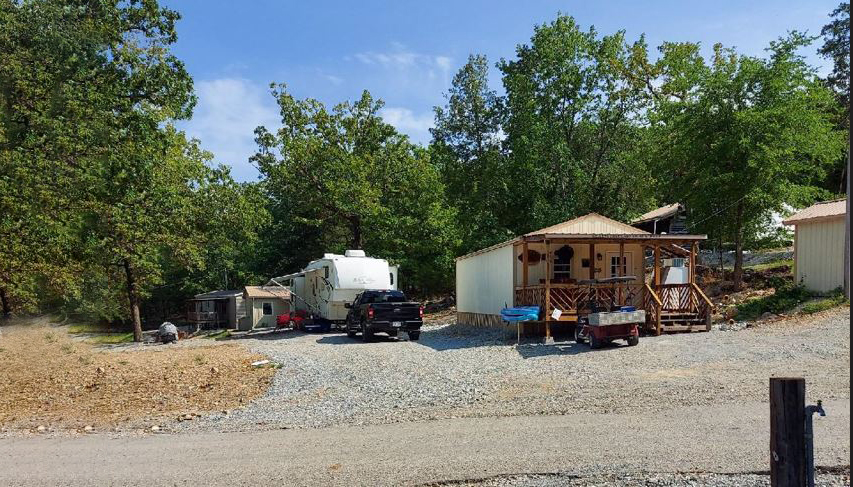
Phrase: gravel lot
(455, 371)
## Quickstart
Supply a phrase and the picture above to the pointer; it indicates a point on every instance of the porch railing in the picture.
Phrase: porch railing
(668, 299)
(198, 316)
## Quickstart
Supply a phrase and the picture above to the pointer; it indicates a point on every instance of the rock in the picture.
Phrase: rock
(188, 417)
(99, 370)
(41, 429)
(88, 429)
(767, 316)
(214, 370)
(155, 428)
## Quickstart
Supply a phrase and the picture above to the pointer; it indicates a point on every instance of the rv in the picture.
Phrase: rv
(326, 285)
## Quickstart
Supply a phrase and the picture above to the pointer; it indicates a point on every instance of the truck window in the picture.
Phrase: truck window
(391, 297)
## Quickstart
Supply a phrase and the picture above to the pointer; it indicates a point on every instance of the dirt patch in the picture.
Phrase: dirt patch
(60, 384)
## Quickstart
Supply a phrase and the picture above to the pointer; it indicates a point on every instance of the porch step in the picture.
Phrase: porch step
(687, 327)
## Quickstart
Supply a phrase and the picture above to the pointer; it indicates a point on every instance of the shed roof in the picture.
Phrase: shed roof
(659, 213)
(589, 224)
(819, 211)
(267, 292)
(219, 294)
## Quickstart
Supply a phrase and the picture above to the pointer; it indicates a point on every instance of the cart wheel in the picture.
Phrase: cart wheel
(578, 336)
(633, 340)
(593, 341)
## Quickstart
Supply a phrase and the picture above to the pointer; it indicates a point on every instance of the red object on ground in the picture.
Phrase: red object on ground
(290, 320)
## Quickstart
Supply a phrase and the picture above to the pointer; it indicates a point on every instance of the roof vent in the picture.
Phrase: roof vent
(355, 253)
(328, 256)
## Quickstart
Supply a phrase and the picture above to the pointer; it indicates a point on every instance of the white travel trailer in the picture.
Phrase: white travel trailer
(325, 285)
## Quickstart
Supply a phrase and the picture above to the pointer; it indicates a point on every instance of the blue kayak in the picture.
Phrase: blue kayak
(520, 313)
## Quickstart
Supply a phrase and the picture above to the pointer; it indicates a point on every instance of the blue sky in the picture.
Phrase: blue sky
(407, 52)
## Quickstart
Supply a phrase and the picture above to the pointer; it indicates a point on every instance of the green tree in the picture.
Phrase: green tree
(836, 47)
(738, 137)
(466, 147)
(76, 78)
(570, 127)
(343, 178)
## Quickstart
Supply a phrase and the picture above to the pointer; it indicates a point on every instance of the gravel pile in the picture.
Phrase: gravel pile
(456, 371)
(650, 480)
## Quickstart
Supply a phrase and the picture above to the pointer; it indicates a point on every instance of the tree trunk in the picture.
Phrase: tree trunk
(355, 223)
(738, 272)
(6, 306)
(133, 298)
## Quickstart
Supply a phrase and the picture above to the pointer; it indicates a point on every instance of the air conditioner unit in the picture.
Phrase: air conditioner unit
(676, 262)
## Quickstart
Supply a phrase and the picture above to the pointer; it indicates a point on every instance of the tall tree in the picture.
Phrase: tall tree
(80, 81)
(737, 137)
(570, 127)
(343, 178)
(466, 147)
(836, 46)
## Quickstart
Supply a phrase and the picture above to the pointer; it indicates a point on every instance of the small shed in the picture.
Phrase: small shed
(819, 231)
(545, 267)
(263, 304)
(666, 219)
(215, 309)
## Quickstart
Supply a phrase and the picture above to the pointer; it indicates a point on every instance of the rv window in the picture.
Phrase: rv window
(267, 309)
(326, 271)
(391, 274)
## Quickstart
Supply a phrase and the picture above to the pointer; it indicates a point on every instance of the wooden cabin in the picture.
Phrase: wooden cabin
(216, 309)
(544, 268)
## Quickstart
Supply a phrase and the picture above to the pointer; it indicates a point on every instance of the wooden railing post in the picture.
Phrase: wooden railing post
(547, 290)
(787, 432)
(657, 288)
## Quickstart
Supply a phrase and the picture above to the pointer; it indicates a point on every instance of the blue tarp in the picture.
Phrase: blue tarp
(520, 313)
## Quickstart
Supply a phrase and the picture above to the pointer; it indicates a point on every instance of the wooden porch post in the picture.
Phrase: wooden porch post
(592, 261)
(547, 289)
(693, 250)
(657, 286)
(515, 248)
(524, 264)
(619, 270)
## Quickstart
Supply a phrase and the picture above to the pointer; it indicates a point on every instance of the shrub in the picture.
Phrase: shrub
(785, 298)
(836, 298)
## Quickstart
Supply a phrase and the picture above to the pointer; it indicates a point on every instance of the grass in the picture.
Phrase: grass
(219, 335)
(772, 264)
(111, 338)
(835, 299)
(86, 328)
(784, 299)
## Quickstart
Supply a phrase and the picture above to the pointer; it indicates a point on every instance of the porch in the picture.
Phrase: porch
(548, 268)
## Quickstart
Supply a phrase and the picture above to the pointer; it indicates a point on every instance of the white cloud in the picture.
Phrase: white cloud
(414, 125)
(402, 58)
(225, 118)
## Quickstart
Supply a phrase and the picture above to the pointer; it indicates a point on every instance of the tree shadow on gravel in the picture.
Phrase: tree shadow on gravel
(264, 334)
(534, 350)
(345, 340)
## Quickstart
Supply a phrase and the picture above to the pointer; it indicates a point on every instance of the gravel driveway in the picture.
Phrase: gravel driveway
(456, 371)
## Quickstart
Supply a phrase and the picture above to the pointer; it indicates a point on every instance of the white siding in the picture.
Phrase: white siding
(484, 282)
(820, 254)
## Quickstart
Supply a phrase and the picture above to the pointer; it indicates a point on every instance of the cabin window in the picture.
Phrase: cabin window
(585, 263)
(267, 309)
(614, 266)
(563, 263)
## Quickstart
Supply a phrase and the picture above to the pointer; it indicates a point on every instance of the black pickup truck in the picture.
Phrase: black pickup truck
(385, 311)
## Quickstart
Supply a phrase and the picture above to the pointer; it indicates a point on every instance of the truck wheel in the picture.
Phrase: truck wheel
(414, 335)
(366, 335)
(633, 340)
(392, 334)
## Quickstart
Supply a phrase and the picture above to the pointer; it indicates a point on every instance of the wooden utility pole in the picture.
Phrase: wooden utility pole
(787, 432)
(847, 230)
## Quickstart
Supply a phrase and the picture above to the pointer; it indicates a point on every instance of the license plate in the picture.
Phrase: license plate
(396, 324)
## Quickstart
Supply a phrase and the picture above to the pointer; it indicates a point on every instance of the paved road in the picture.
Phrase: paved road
(716, 439)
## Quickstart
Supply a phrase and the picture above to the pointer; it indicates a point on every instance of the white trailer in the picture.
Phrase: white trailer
(325, 285)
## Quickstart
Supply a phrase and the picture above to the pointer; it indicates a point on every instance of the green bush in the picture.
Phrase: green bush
(836, 298)
(784, 299)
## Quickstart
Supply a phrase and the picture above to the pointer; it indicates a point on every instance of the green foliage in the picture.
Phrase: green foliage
(736, 138)
(111, 338)
(570, 128)
(784, 299)
(835, 299)
(836, 46)
(343, 178)
(466, 148)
